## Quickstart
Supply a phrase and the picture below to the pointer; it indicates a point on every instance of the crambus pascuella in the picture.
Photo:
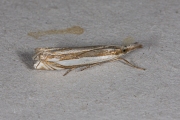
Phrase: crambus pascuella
(82, 57)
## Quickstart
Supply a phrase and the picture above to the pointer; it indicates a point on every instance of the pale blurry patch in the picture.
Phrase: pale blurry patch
(72, 30)
(127, 41)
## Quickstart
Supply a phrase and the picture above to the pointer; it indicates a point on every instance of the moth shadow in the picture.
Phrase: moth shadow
(26, 58)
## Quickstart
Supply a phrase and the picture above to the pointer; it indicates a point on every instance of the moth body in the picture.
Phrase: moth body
(71, 58)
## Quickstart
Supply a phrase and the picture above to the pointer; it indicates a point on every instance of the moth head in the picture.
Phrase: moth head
(131, 47)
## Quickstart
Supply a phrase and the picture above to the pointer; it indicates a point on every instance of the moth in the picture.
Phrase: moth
(81, 57)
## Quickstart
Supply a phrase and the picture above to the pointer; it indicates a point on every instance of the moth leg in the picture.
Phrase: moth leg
(38, 64)
(50, 66)
(92, 65)
(130, 64)
(68, 71)
(89, 66)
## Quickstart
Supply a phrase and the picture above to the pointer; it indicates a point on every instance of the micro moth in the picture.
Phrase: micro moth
(81, 57)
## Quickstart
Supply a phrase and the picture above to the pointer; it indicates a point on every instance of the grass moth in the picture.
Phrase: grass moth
(81, 57)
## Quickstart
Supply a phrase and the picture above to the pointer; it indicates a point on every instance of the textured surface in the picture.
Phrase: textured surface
(112, 91)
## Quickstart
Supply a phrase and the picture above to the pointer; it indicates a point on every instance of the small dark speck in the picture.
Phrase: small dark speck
(177, 11)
